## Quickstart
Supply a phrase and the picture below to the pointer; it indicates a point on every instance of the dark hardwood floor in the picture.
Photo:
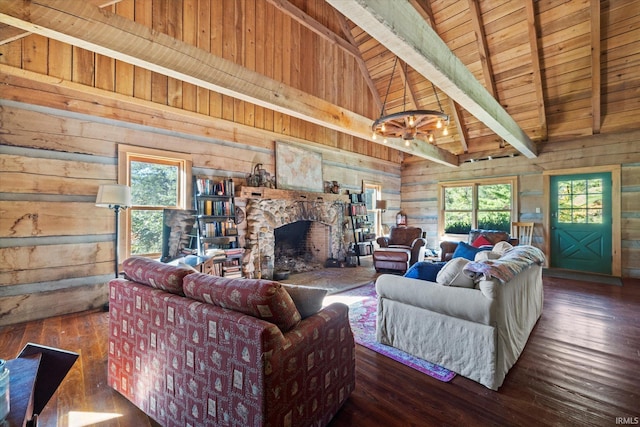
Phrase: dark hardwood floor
(579, 368)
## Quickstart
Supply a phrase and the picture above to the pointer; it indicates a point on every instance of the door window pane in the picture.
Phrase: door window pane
(580, 201)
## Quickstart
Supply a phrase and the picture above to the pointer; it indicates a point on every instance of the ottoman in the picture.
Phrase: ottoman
(392, 258)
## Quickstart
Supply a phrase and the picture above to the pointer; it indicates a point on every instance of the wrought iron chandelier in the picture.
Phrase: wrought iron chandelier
(410, 124)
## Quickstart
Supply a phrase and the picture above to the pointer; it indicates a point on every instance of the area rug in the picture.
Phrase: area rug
(362, 302)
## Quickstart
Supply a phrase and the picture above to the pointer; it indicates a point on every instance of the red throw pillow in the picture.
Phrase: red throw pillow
(481, 241)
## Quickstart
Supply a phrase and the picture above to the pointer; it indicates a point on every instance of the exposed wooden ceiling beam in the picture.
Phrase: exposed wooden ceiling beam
(404, 75)
(403, 31)
(9, 33)
(424, 9)
(346, 30)
(483, 51)
(85, 26)
(537, 69)
(348, 45)
(308, 22)
(457, 119)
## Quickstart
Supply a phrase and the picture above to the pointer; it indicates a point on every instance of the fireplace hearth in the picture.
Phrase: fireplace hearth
(301, 246)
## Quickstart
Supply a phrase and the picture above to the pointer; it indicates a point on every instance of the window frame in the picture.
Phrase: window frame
(377, 213)
(474, 184)
(128, 154)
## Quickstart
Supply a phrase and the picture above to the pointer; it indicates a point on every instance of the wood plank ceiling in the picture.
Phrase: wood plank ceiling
(513, 75)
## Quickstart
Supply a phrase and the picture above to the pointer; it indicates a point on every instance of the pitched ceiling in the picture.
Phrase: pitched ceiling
(511, 74)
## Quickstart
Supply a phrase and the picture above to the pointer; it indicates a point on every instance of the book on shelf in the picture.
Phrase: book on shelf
(210, 187)
(216, 207)
(355, 210)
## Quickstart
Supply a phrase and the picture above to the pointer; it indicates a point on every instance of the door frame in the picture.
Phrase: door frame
(616, 236)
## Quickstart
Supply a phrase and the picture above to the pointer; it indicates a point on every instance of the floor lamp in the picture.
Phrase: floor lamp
(116, 197)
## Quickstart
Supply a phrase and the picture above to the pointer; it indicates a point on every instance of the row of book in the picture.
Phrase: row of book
(216, 207)
(356, 197)
(218, 229)
(227, 269)
(357, 209)
(233, 252)
(210, 187)
(231, 269)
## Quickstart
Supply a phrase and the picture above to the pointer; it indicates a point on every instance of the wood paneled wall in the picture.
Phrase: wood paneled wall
(274, 45)
(419, 190)
(56, 246)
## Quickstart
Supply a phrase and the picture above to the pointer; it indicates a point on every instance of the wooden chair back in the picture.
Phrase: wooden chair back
(523, 231)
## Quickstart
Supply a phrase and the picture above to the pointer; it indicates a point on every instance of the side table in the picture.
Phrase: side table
(34, 376)
(22, 380)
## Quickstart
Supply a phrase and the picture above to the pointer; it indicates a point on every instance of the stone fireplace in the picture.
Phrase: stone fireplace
(322, 220)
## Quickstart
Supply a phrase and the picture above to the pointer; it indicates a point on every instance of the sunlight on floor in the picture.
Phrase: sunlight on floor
(82, 419)
(348, 300)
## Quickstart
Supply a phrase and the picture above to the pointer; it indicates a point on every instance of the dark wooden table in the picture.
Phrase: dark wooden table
(22, 379)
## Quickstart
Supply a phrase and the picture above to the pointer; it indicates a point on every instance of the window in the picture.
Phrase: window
(159, 180)
(580, 201)
(487, 204)
(372, 192)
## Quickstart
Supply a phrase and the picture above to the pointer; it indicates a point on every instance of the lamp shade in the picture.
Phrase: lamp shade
(111, 195)
(381, 204)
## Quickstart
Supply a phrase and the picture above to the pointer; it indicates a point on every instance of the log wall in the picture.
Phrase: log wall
(56, 246)
(419, 190)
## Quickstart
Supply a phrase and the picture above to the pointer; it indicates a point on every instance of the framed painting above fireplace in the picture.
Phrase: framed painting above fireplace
(298, 168)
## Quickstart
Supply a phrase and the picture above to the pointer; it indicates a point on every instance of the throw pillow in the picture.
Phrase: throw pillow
(486, 255)
(481, 241)
(424, 270)
(308, 300)
(465, 250)
(263, 299)
(452, 275)
(502, 247)
(155, 274)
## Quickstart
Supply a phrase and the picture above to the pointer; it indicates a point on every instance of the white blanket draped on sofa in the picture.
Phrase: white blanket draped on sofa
(507, 266)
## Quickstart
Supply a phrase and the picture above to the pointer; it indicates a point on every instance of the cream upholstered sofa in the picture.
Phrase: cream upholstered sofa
(477, 326)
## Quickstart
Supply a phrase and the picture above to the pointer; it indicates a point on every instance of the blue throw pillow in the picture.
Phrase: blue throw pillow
(465, 250)
(424, 270)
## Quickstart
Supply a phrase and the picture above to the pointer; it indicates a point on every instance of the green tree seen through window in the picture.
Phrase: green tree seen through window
(486, 206)
(154, 187)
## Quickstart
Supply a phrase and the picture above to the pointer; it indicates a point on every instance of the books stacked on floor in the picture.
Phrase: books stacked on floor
(231, 269)
(233, 252)
(216, 254)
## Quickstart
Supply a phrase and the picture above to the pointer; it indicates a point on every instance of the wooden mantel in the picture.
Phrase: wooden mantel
(246, 192)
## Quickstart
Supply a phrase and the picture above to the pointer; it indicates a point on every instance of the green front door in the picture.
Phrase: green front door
(581, 222)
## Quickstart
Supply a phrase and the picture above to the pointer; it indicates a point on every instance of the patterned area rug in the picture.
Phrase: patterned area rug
(362, 302)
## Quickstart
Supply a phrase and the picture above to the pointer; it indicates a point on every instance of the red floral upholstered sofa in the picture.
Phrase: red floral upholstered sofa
(191, 349)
